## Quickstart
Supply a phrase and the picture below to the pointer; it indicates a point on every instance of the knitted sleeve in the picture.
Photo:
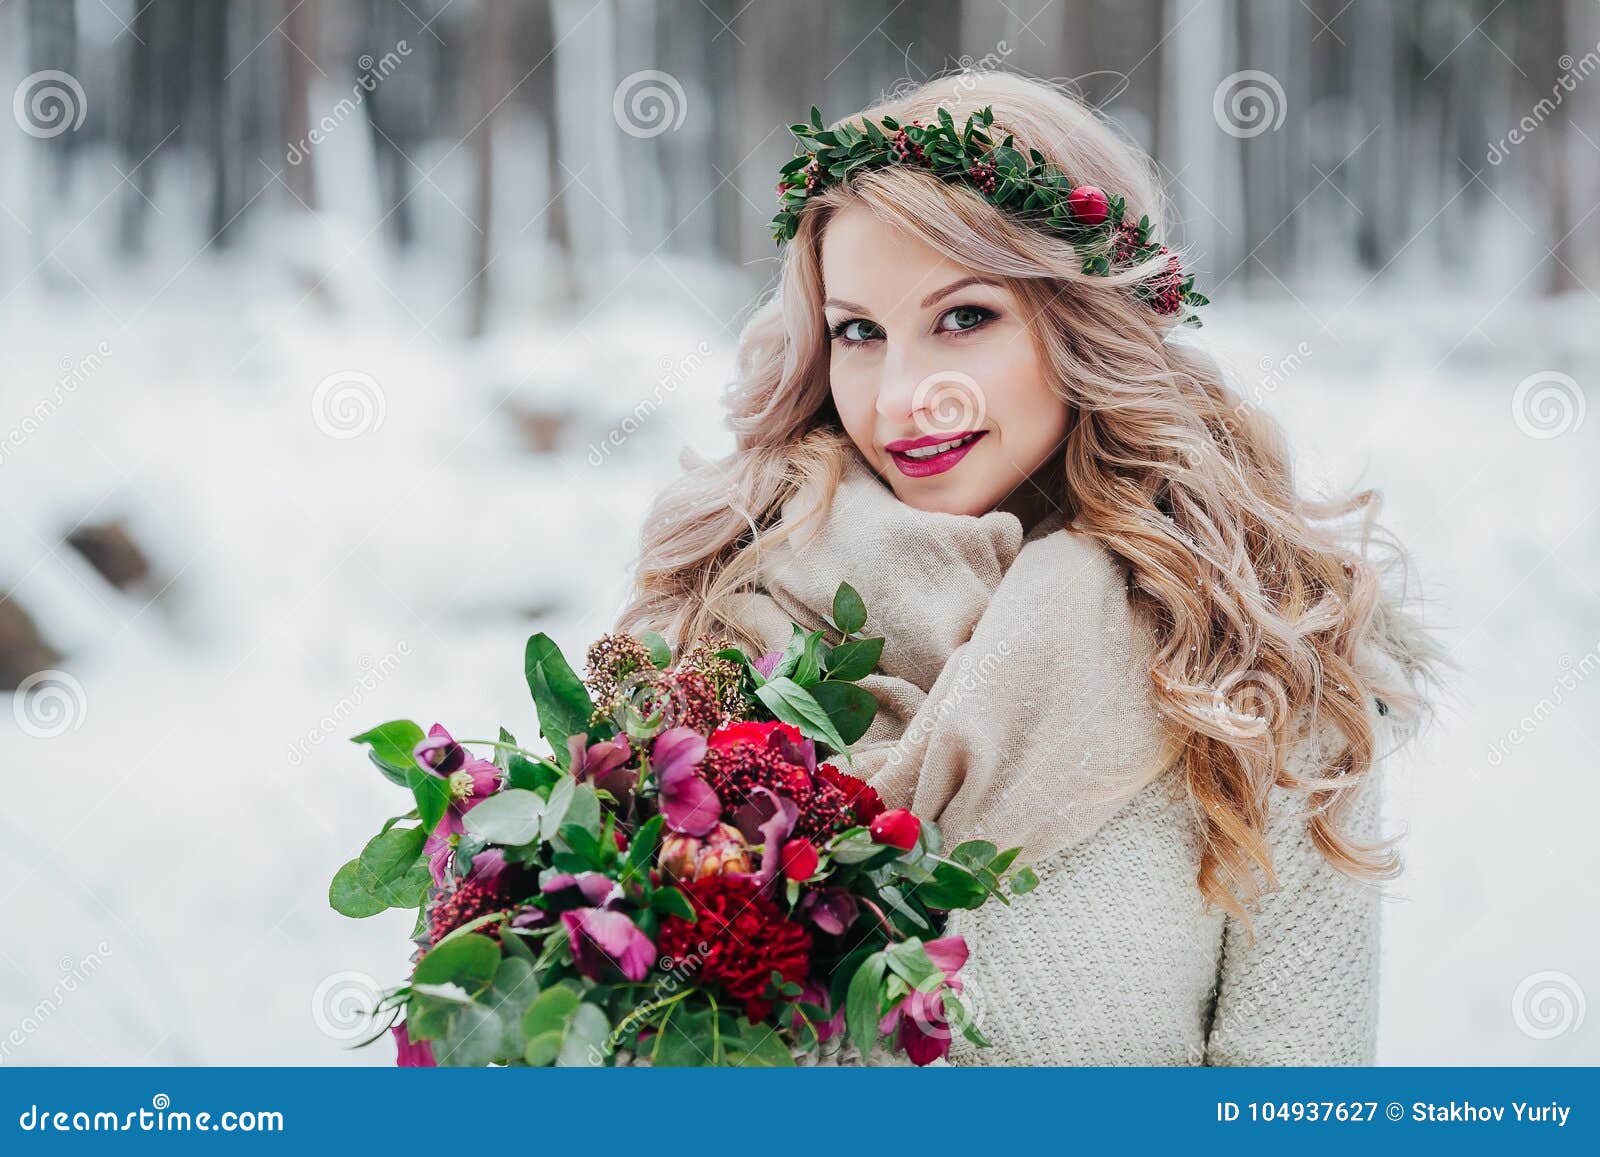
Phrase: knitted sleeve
(1305, 990)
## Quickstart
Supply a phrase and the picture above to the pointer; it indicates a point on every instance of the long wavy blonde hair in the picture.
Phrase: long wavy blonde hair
(1266, 606)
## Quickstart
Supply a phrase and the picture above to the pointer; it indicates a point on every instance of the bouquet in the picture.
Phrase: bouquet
(687, 879)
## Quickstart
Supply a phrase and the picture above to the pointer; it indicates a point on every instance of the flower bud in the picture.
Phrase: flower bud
(897, 828)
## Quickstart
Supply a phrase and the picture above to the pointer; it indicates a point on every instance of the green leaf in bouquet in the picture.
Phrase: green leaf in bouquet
(791, 703)
(849, 612)
(808, 667)
(377, 879)
(1024, 881)
(559, 696)
(391, 746)
(432, 794)
(522, 772)
(856, 847)
(954, 886)
(348, 894)
(896, 900)
(687, 1038)
(509, 817)
(559, 1027)
(756, 1046)
(470, 961)
(957, 1016)
(642, 848)
(977, 853)
(861, 1002)
(670, 901)
(474, 1037)
(908, 959)
(850, 708)
(570, 802)
(660, 649)
(509, 996)
(854, 659)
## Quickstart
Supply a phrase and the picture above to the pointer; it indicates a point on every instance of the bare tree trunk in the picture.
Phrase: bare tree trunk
(299, 26)
(494, 25)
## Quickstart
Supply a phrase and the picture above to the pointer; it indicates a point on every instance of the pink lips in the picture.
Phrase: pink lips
(939, 463)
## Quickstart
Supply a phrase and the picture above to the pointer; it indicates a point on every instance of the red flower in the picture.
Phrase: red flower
(740, 938)
(898, 828)
(745, 756)
(862, 797)
(756, 733)
(799, 859)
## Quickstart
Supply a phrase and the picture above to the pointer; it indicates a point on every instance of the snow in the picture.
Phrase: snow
(180, 834)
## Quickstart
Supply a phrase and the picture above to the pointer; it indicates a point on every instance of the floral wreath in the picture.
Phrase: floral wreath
(1025, 186)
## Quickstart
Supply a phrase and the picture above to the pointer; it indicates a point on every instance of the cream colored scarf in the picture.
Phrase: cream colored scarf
(1013, 691)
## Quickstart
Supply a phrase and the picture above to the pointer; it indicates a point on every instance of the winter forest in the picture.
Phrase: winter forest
(343, 344)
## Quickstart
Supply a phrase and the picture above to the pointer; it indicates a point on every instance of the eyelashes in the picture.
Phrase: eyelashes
(980, 315)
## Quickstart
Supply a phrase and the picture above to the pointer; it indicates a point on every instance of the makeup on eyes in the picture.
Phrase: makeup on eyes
(986, 314)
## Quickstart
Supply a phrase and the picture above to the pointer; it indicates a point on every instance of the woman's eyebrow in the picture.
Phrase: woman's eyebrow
(962, 283)
(955, 285)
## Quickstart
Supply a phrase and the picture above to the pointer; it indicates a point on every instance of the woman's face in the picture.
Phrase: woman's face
(925, 352)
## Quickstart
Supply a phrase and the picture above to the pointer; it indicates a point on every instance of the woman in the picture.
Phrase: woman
(1115, 634)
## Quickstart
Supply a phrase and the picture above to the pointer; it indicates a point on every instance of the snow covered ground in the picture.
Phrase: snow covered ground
(346, 526)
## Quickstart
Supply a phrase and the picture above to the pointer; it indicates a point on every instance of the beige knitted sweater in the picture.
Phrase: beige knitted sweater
(1113, 959)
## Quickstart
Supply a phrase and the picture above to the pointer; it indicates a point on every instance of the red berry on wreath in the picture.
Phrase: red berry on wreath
(1088, 205)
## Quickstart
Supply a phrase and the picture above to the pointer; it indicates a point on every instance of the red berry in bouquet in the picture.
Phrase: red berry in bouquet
(897, 828)
(743, 757)
(740, 938)
(799, 859)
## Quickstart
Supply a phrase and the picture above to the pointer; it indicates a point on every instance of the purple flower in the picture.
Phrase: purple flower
(924, 1031)
(688, 804)
(767, 663)
(815, 992)
(771, 817)
(831, 909)
(603, 764)
(470, 780)
(597, 889)
(600, 937)
(410, 1054)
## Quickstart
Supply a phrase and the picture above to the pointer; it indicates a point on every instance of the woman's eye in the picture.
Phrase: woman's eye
(857, 329)
(964, 317)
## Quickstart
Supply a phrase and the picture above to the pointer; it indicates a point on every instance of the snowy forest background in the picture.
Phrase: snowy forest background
(344, 344)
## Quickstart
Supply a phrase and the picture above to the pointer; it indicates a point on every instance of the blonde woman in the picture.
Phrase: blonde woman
(1116, 635)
